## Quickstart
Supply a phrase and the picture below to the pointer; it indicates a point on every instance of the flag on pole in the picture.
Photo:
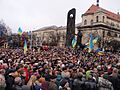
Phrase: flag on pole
(95, 40)
(25, 47)
(19, 31)
(74, 42)
(91, 45)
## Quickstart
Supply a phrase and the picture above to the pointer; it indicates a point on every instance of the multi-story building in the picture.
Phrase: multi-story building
(102, 23)
(49, 35)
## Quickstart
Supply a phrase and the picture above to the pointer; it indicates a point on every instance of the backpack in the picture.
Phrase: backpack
(37, 87)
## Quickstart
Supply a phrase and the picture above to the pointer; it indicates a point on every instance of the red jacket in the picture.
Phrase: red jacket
(27, 74)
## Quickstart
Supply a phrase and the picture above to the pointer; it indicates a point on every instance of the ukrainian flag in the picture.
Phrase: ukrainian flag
(74, 42)
(95, 40)
(25, 47)
(100, 53)
(91, 45)
(19, 31)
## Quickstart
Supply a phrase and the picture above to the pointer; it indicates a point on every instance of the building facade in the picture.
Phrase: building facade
(96, 20)
(50, 35)
(101, 23)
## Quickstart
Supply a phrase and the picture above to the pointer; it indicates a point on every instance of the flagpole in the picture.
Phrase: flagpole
(18, 41)
(31, 40)
(19, 35)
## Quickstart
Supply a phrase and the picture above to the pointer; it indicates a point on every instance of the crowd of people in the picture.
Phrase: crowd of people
(56, 68)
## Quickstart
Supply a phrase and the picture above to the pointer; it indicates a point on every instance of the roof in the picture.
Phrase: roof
(92, 9)
(109, 14)
(51, 28)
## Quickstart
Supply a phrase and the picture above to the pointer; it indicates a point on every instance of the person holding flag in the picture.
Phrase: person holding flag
(91, 45)
(95, 40)
(25, 47)
(19, 35)
(74, 42)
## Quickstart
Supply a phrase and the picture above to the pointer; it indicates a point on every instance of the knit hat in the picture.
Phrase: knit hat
(88, 74)
(52, 77)
(59, 77)
(105, 76)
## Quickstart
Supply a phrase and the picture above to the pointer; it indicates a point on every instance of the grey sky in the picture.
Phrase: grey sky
(34, 14)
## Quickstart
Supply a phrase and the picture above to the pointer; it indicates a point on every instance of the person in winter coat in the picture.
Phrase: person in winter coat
(78, 84)
(64, 85)
(2, 82)
(10, 76)
(18, 83)
(25, 87)
(104, 84)
(52, 85)
(114, 79)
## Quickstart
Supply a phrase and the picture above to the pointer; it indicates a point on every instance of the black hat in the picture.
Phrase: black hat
(63, 82)
(53, 77)
(11, 71)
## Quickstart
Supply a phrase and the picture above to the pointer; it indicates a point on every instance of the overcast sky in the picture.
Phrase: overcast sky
(34, 14)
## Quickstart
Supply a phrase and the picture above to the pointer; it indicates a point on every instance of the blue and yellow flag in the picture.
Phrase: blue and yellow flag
(100, 53)
(74, 42)
(25, 47)
(19, 31)
(95, 40)
(91, 45)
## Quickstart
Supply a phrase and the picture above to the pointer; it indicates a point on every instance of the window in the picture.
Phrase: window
(103, 19)
(91, 22)
(85, 22)
(112, 24)
(109, 34)
(107, 23)
(97, 18)
(115, 35)
(117, 25)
